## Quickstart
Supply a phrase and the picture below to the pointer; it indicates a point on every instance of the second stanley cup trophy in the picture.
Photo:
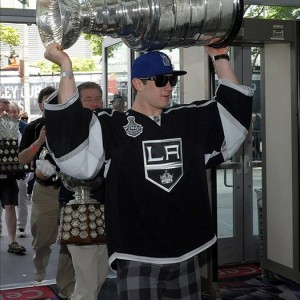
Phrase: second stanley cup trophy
(142, 25)
(82, 219)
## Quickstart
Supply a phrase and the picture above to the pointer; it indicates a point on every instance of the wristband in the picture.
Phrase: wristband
(66, 74)
(220, 56)
(34, 149)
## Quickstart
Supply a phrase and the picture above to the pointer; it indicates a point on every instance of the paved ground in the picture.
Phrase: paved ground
(16, 270)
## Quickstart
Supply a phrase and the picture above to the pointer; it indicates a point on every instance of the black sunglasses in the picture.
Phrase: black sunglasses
(24, 119)
(162, 80)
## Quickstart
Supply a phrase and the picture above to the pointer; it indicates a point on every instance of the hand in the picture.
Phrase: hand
(42, 137)
(222, 67)
(46, 168)
(54, 53)
(211, 51)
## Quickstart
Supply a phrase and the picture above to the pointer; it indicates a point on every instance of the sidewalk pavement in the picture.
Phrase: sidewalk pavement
(17, 270)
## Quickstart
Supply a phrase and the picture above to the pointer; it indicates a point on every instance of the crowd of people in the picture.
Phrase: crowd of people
(152, 159)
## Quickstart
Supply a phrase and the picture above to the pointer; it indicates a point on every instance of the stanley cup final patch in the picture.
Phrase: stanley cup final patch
(163, 162)
(132, 128)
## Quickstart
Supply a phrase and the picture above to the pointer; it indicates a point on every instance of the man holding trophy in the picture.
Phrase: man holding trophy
(157, 209)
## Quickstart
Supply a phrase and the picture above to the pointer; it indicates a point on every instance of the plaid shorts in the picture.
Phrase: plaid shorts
(144, 281)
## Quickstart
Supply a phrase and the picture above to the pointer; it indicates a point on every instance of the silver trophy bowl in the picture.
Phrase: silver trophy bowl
(142, 25)
(82, 188)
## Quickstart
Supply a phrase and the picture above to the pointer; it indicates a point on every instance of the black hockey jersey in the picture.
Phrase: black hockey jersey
(157, 205)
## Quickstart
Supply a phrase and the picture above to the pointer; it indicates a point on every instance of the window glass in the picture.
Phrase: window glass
(117, 76)
(18, 4)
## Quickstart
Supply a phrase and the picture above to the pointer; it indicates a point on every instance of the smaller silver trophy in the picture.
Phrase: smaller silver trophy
(82, 219)
(9, 148)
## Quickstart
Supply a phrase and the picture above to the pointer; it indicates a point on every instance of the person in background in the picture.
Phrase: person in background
(23, 116)
(14, 113)
(9, 196)
(90, 95)
(45, 205)
(118, 103)
(90, 262)
(157, 208)
(22, 207)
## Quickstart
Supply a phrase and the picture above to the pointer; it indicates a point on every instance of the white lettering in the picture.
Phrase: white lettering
(150, 158)
(171, 150)
(14, 92)
(7, 92)
(38, 294)
(31, 294)
(14, 295)
(248, 270)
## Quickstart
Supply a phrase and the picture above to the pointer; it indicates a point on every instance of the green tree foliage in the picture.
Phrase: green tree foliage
(9, 36)
(96, 41)
(79, 65)
(272, 12)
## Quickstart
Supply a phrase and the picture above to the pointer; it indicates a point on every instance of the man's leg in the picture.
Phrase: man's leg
(65, 276)
(44, 225)
(91, 267)
(11, 222)
(9, 198)
(22, 208)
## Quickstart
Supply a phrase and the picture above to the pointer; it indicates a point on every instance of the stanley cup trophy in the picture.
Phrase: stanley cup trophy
(9, 148)
(82, 219)
(143, 25)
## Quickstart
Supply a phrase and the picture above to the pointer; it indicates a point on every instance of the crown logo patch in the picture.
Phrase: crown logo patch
(166, 60)
(166, 178)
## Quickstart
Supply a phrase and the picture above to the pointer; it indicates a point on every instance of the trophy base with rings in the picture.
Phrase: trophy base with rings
(9, 148)
(82, 224)
(82, 219)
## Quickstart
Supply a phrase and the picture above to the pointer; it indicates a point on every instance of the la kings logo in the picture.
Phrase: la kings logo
(163, 162)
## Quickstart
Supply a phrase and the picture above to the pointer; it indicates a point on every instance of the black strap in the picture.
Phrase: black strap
(220, 56)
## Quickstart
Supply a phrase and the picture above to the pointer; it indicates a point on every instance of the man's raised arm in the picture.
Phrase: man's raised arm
(221, 63)
(67, 85)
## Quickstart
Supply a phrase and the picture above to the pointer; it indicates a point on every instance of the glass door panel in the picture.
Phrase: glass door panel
(117, 76)
(239, 181)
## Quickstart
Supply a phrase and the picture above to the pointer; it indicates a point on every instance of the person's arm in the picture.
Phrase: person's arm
(222, 66)
(67, 85)
(27, 155)
(77, 146)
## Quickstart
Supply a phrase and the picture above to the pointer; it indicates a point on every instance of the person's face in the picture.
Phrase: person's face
(155, 97)
(24, 118)
(4, 107)
(116, 104)
(13, 112)
(91, 98)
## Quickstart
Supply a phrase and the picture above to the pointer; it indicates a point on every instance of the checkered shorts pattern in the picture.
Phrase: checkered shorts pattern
(144, 281)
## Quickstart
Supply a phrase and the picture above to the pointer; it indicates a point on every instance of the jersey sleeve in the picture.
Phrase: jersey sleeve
(234, 107)
(74, 137)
